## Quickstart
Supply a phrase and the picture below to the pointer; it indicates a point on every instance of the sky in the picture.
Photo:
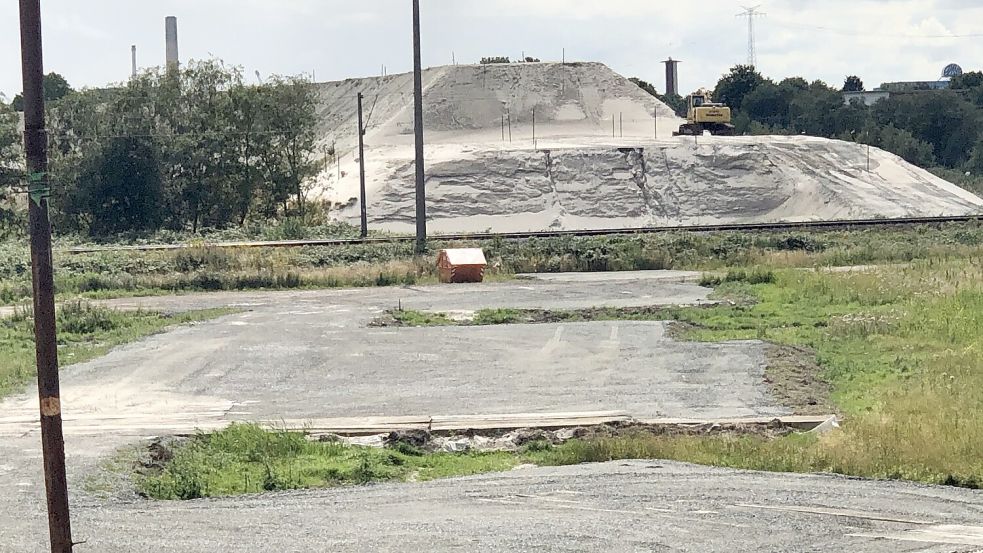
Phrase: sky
(88, 41)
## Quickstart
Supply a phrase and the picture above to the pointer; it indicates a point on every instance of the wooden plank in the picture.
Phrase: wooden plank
(526, 420)
(797, 421)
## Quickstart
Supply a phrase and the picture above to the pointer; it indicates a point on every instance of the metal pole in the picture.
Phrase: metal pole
(613, 130)
(421, 191)
(503, 128)
(36, 149)
(361, 168)
(508, 119)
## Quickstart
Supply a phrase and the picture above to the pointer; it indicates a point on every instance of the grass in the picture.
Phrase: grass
(248, 459)
(84, 333)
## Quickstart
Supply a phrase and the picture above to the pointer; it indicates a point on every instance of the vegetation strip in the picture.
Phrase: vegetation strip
(745, 227)
(203, 268)
(84, 333)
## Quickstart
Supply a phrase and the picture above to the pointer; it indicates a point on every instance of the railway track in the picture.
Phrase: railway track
(742, 227)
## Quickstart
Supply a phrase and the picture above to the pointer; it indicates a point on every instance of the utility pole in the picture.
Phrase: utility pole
(46, 342)
(361, 168)
(421, 189)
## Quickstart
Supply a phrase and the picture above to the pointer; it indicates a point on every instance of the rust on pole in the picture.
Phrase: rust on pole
(361, 168)
(36, 150)
(421, 189)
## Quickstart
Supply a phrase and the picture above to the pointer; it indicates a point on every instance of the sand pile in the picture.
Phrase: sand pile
(575, 175)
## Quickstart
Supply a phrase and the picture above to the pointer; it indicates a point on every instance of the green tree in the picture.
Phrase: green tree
(903, 143)
(975, 164)
(221, 148)
(768, 104)
(853, 84)
(734, 86)
(973, 79)
(55, 87)
(11, 164)
(674, 101)
(949, 122)
(121, 190)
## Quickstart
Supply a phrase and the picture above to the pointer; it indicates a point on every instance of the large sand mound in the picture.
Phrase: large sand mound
(576, 175)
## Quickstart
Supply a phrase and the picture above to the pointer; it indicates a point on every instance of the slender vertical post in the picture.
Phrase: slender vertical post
(361, 168)
(133, 55)
(564, 56)
(46, 342)
(503, 128)
(613, 130)
(533, 127)
(621, 124)
(421, 191)
(508, 119)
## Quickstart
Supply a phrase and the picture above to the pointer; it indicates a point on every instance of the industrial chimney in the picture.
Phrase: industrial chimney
(672, 76)
(133, 53)
(170, 28)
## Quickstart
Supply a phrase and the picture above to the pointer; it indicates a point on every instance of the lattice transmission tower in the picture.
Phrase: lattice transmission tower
(751, 13)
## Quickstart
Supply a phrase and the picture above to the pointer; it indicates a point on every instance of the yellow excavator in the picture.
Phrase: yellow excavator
(705, 115)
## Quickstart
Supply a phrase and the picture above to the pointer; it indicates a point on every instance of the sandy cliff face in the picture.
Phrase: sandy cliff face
(574, 174)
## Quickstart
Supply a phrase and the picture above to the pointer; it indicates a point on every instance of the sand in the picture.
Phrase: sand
(575, 175)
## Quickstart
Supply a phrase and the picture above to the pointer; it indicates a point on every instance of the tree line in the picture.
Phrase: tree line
(932, 129)
(182, 149)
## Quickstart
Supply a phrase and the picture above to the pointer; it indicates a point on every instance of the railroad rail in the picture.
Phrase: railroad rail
(731, 227)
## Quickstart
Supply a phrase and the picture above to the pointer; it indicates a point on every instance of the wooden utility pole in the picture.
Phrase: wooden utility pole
(421, 189)
(361, 168)
(46, 342)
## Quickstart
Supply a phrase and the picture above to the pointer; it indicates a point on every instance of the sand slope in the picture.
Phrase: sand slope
(575, 175)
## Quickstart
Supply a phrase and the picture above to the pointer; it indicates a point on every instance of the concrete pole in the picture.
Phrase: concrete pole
(421, 190)
(42, 270)
(133, 54)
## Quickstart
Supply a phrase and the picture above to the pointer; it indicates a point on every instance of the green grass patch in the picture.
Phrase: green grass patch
(410, 317)
(248, 459)
(84, 333)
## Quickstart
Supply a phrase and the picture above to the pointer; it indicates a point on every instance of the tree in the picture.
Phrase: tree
(674, 101)
(973, 79)
(220, 148)
(734, 86)
(10, 164)
(768, 104)
(903, 143)
(55, 86)
(853, 84)
(122, 190)
(975, 164)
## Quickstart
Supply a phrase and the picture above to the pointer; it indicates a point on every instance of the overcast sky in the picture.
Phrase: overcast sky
(89, 41)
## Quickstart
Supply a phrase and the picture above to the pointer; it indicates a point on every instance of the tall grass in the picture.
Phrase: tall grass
(903, 348)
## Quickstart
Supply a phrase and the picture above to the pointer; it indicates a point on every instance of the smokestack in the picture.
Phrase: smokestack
(672, 76)
(170, 28)
(133, 52)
